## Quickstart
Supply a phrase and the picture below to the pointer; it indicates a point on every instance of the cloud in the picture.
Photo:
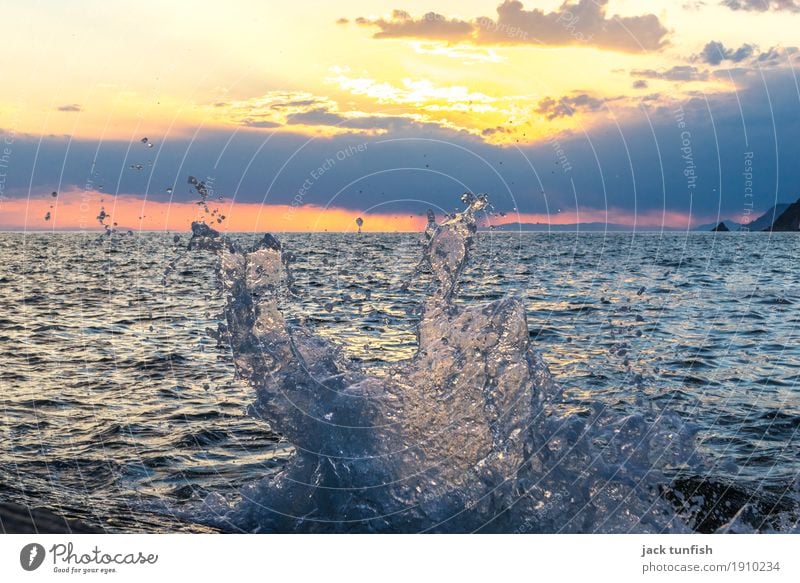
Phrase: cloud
(569, 105)
(640, 84)
(430, 25)
(693, 5)
(371, 123)
(319, 116)
(272, 109)
(776, 56)
(495, 130)
(763, 5)
(636, 166)
(676, 73)
(715, 52)
(420, 93)
(286, 110)
(259, 123)
(575, 23)
(70, 108)
(746, 61)
(464, 53)
(581, 23)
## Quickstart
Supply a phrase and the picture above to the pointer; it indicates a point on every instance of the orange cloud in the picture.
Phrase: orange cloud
(574, 23)
(78, 210)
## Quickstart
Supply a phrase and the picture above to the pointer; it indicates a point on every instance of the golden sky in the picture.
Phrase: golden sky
(99, 70)
(134, 67)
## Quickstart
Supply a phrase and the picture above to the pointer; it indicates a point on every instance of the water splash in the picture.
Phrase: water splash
(467, 435)
(205, 191)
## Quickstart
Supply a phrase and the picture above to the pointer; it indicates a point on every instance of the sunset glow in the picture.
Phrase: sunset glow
(261, 101)
(77, 211)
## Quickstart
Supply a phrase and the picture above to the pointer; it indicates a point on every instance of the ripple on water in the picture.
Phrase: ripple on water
(97, 360)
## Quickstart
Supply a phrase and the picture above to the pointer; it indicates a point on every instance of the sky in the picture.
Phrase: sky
(305, 115)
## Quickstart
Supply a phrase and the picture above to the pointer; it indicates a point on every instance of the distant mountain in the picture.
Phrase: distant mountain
(785, 217)
(732, 226)
(762, 223)
(765, 221)
(789, 219)
(575, 228)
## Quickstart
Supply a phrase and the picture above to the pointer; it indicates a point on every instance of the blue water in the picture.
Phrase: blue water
(115, 395)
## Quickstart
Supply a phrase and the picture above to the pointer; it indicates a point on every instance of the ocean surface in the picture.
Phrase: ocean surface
(117, 399)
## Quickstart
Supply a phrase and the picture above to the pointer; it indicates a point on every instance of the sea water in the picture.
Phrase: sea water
(449, 381)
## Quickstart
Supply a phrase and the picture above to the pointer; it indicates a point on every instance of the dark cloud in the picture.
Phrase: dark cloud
(747, 60)
(70, 107)
(585, 22)
(274, 109)
(430, 25)
(637, 164)
(677, 73)
(763, 5)
(581, 23)
(319, 116)
(715, 52)
(299, 103)
(776, 56)
(653, 97)
(260, 123)
(569, 105)
(640, 84)
(393, 123)
(342, 21)
(495, 130)
(286, 109)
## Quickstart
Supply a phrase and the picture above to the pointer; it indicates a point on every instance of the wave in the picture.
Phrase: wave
(469, 435)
